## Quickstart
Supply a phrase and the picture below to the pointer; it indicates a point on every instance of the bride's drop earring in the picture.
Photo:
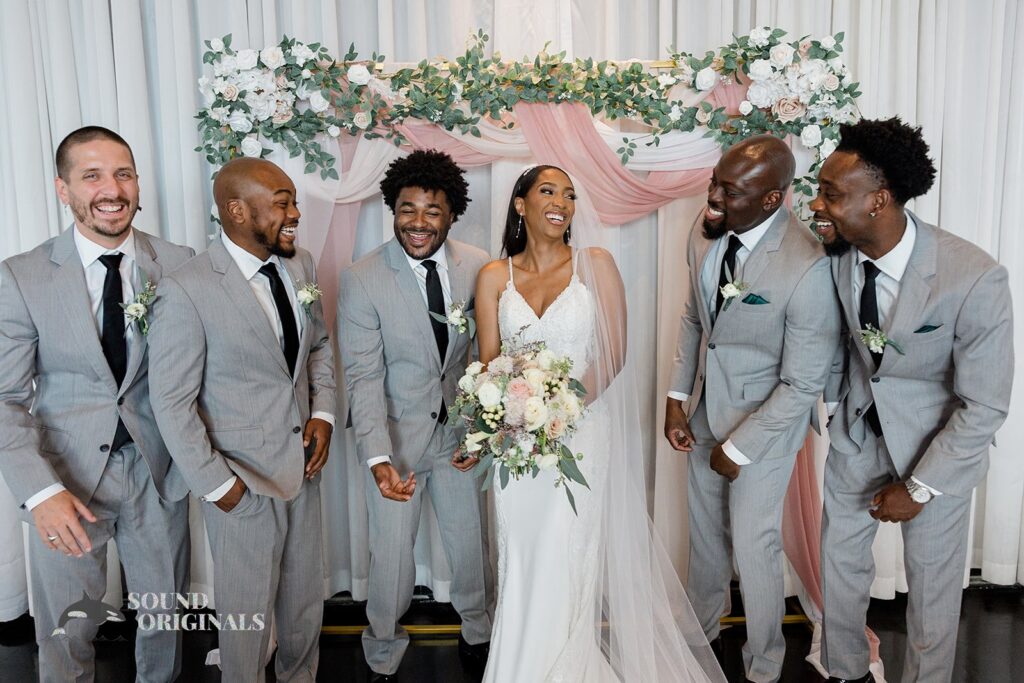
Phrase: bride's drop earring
(519, 228)
(568, 234)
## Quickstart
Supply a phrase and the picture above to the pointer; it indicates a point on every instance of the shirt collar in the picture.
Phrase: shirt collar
(439, 257)
(246, 262)
(89, 251)
(750, 238)
(895, 263)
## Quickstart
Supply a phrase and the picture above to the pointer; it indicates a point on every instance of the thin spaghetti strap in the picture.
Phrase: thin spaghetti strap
(511, 281)
(575, 261)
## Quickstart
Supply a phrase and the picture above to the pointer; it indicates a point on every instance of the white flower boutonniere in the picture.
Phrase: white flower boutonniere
(458, 319)
(732, 290)
(307, 295)
(876, 340)
(138, 310)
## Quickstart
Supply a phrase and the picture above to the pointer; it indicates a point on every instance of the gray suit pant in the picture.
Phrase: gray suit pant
(268, 561)
(935, 552)
(741, 520)
(459, 507)
(153, 543)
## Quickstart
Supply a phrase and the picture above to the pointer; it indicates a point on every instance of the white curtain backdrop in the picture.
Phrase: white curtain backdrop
(956, 67)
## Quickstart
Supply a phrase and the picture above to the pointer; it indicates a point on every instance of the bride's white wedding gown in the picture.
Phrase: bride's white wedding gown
(545, 626)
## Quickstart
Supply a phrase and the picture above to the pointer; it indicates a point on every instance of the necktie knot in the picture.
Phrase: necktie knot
(112, 261)
(269, 271)
(734, 246)
(870, 271)
(430, 265)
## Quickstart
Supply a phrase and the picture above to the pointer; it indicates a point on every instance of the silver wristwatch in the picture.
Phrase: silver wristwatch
(918, 493)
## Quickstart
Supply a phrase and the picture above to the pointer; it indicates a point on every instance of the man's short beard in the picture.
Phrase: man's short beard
(713, 232)
(274, 248)
(838, 247)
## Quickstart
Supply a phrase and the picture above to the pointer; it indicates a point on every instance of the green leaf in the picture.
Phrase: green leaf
(503, 475)
(572, 500)
(569, 468)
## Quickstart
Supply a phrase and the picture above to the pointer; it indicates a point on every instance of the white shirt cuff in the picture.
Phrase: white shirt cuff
(219, 492)
(679, 396)
(830, 407)
(321, 415)
(49, 492)
(378, 460)
(734, 453)
(925, 486)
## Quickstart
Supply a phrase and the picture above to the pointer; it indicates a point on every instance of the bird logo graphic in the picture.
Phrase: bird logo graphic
(94, 611)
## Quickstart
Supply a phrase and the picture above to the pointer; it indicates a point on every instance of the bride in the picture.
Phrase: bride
(588, 596)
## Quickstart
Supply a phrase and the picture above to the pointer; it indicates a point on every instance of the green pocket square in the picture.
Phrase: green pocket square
(755, 299)
(924, 329)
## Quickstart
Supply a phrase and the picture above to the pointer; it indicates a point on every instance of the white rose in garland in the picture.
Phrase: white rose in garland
(811, 135)
(828, 42)
(761, 70)
(759, 95)
(828, 145)
(318, 103)
(333, 131)
(217, 45)
(361, 120)
(302, 53)
(781, 55)
(247, 59)
(706, 79)
(239, 122)
(358, 74)
(746, 107)
(272, 57)
(760, 36)
(251, 147)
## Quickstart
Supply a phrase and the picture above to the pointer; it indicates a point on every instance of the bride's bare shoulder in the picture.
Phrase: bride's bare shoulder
(598, 260)
(493, 275)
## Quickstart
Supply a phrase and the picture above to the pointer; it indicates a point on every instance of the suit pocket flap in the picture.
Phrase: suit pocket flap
(53, 440)
(758, 391)
(242, 439)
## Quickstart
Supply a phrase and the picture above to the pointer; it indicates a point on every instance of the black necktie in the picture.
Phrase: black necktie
(284, 313)
(869, 316)
(435, 302)
(728, 272)
(112, 340)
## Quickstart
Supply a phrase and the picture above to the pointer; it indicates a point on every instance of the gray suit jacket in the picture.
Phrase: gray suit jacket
(59, 402)
(761, 366)
(394, 376)
(941, 401)
(224, 400)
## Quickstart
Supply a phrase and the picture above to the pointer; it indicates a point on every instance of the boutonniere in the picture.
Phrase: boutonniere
(732, 290)
(307, 295)
(457, 318)
(876, 340)
(138, 310)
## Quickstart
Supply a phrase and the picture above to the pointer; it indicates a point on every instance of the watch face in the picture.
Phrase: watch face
(920, 495)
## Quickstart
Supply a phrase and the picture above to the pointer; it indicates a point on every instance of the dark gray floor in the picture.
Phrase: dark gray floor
(989, 649)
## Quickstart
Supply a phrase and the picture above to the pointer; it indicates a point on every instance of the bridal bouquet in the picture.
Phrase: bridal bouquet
(519, 414)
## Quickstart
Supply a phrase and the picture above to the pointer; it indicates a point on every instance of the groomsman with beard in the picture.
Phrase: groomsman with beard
(929, 355)
(79, 446)
(756, 342)
(402, 366)
(243, 388)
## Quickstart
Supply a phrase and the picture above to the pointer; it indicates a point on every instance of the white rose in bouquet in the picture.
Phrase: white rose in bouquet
(467, 383)
(489, 395)
(535, 378)
(358, 74)
(706, 79)
(474, 368)
(535, 413)
(272, 57)
(247, 59)
(251, 147)
(547, 461)
(760, 70)
(501, 365)
(545, 359)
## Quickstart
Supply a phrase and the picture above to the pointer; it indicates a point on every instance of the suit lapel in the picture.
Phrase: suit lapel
(461, 284)
(702, 248)
(69, 282)
(413, 297)
(299, 278)
(914, 291)
(244, 301)
(758, 260)
(148, 271)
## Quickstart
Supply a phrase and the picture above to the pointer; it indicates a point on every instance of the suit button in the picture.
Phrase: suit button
(104, 448)
(711, 345)
(120, 401)
(876, 380)
(858, 411)
(296, 430)
(433, 415)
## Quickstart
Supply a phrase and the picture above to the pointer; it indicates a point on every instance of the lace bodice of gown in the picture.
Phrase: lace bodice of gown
(566, 327)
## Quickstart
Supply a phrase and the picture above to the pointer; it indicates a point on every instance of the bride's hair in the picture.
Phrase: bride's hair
(514, 239)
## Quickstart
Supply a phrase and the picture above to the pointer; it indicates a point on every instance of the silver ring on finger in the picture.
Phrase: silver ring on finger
(51, 539)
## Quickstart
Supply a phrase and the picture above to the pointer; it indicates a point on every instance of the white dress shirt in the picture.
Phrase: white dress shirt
(709, 290)
(95, 274)
(250, 266)
(891, 268)
(441, 259)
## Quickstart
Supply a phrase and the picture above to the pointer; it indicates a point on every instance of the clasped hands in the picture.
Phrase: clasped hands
(680, 437)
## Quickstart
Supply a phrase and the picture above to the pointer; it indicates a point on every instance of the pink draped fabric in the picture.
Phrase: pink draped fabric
(564, 135)
(341, 239)
(422, 135)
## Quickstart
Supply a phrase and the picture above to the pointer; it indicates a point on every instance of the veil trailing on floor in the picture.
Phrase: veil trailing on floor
(647, 629)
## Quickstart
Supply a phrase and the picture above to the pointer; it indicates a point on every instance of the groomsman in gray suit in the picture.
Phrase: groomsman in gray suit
(243, 387)
(756, 342)
(929, 367)
(79, 447)
(402, 366)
